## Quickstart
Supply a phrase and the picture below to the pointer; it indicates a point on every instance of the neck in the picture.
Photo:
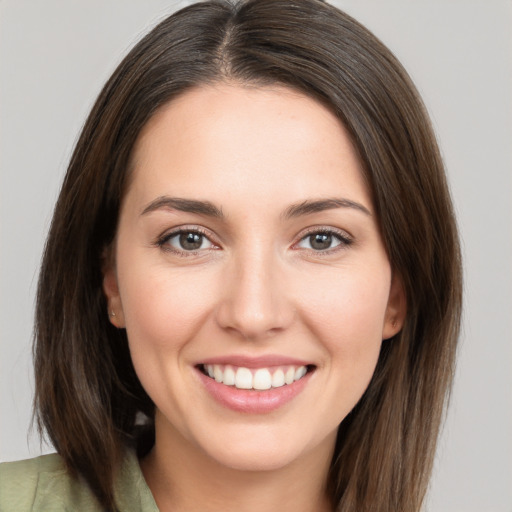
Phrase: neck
(183, 478)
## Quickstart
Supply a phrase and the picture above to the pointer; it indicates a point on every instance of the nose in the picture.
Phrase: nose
(254, 302)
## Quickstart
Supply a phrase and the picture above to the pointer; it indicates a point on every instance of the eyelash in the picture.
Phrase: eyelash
(163, 241)
(343, 238)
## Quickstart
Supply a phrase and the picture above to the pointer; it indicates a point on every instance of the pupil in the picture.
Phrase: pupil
(321, 241)
(191, 241)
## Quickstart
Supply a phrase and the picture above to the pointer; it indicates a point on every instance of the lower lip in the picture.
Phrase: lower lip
(252, 401)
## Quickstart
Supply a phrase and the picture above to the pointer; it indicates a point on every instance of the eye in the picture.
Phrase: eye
(323, 241)
(186, 241)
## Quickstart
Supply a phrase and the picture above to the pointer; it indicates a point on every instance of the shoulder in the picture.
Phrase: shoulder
(19, 481)
(42, 483)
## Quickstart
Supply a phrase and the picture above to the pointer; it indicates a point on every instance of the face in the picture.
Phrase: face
(250, 275)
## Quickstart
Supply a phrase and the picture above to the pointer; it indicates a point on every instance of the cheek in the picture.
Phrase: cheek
(348, 304)
(163, 309)
(347, 317)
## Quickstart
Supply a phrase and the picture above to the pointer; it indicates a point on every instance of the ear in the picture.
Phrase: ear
(111, 290)
(396, 308)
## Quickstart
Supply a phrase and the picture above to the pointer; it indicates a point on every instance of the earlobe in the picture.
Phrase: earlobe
(396, 309)
(111, 291)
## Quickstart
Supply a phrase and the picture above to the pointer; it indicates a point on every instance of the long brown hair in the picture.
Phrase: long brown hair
(87, 393)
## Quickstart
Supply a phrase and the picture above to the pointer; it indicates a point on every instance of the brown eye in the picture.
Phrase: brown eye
(188, 241)
(191, 241)
(324, 241)
(320, 241)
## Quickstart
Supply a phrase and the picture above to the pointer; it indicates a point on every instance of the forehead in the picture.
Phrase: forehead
(233, 139)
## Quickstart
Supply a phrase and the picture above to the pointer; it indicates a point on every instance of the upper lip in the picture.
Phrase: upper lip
(255, 362)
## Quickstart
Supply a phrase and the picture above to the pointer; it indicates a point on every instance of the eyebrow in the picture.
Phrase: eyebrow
(184, 205)
(314, 206)
(207, 208)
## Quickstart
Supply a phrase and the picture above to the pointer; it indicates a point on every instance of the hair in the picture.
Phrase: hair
(88, 396)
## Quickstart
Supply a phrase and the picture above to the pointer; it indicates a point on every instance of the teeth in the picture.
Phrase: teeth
(278, 379)
(289, 376)
(243, 378)
(229, 376)
(260, 379)
(300, 372)
(217, 373)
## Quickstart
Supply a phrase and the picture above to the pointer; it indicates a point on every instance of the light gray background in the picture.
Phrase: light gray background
(56, 54)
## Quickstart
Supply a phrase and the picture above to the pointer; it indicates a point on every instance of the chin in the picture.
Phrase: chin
(253, 458)
(265, 449)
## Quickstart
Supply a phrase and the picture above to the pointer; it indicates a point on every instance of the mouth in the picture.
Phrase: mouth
(256, 379)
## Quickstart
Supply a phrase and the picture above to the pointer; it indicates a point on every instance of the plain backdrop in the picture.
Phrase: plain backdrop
(56, 54)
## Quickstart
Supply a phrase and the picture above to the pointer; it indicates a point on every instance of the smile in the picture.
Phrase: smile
(259, 379)
(254, 385)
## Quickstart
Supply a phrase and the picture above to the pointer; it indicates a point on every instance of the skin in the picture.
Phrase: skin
(255, 287)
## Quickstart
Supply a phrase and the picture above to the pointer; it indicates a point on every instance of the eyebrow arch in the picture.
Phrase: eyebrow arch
(184, 205)
(314, 206)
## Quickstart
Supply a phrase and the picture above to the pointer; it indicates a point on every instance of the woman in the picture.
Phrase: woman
(252, 277)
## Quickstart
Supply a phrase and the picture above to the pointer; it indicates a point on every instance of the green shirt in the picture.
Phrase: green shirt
(43, 484)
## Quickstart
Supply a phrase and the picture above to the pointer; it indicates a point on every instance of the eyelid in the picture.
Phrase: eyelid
(345, 238)
(162, 239)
